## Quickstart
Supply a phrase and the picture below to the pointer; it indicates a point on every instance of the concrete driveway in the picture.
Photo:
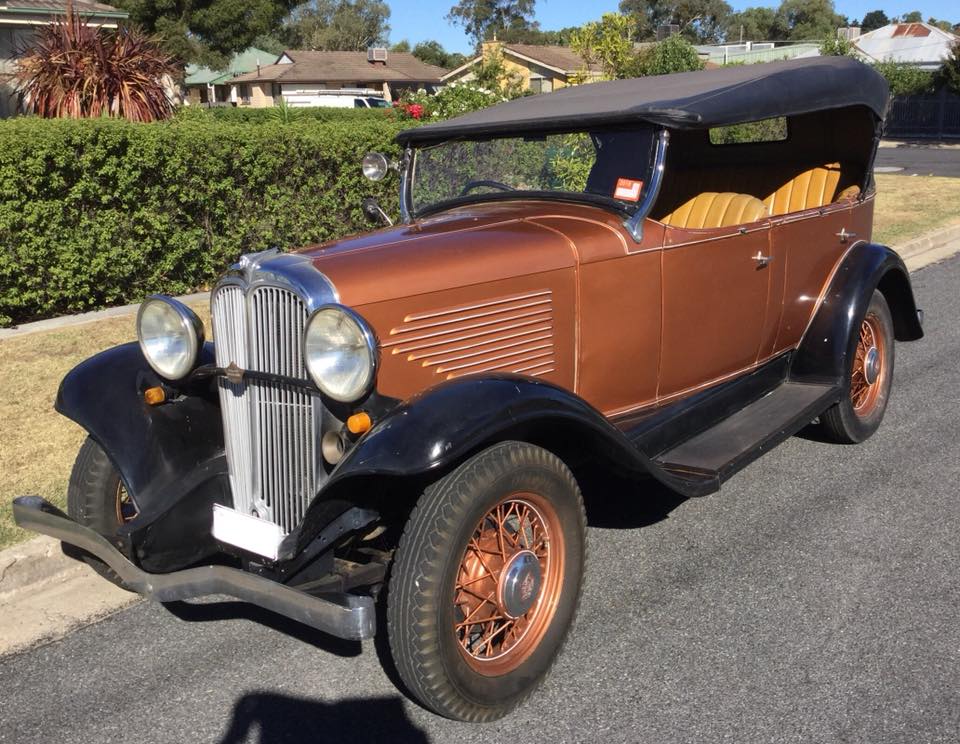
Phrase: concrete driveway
(815, 599)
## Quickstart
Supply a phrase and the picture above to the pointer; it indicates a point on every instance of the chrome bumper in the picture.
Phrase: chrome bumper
(346, 616)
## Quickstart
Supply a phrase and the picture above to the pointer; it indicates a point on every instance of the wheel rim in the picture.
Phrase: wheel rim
(125, 508)
(508, 583)
(869, 367)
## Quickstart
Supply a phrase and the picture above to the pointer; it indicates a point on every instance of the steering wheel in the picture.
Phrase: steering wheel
(483, 182)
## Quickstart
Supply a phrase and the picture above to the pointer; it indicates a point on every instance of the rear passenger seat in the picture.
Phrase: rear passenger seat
(809, 188)
(711, 209)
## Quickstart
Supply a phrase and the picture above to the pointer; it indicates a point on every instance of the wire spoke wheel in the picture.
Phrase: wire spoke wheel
(868, 372)
(507, 584)
(125, 508)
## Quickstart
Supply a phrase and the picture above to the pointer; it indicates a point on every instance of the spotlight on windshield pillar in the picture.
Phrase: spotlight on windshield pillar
(375, 166)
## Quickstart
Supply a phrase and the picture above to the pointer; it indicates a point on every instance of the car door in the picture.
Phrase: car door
(716, 287)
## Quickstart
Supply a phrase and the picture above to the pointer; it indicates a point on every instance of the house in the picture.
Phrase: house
(205, 86)
(300, 77)
(542, 69)
(919, 44)
(18, 21)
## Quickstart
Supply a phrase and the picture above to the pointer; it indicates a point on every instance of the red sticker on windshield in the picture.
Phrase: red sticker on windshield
(628, 189)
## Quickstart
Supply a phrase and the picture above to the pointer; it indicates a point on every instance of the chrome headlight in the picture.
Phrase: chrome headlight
(170, 335)
(340, 352)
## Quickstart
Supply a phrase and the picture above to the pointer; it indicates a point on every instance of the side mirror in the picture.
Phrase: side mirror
(374, 212)
(375, 165)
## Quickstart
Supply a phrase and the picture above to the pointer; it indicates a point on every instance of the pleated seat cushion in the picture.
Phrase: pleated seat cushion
(712, 209)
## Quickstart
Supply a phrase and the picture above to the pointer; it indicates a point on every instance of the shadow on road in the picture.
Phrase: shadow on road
(615, 502)
(233, 610)
(268, 718)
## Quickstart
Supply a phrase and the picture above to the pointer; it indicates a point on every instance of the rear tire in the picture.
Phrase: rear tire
(869, 375)
(507, 525)
(97, 498)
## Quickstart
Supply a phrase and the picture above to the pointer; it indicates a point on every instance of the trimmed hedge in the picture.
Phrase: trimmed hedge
(102, 212)
(239, 114)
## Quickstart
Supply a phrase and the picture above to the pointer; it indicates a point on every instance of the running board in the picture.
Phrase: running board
(717, 453)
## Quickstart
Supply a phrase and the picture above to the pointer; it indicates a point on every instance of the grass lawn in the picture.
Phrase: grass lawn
(908, 206)
(37, 445)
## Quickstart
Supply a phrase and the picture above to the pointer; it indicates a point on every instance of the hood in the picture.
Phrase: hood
(460, 247)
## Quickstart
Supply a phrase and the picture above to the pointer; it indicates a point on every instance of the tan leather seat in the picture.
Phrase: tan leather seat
(811, 188)
(711, 209)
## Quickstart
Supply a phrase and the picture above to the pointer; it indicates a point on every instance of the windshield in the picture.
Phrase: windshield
(611, 167)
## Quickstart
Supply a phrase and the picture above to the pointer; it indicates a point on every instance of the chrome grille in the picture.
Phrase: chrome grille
(271, 429)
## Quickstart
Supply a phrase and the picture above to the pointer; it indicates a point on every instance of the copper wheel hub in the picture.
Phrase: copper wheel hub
(868, 367)
(508, 583)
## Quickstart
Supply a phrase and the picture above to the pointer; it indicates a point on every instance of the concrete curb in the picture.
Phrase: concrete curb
(31, 563)
(44, 594)
(65, 321)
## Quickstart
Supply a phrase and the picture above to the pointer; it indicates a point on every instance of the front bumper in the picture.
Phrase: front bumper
(342, 615)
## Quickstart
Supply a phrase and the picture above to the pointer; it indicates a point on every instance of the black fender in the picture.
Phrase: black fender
(432, 432)
(170, 456)
(823, 352)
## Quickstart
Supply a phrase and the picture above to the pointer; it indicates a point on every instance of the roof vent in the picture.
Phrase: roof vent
(377, 54)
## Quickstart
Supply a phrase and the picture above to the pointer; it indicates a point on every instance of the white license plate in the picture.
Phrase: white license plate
(247, 532)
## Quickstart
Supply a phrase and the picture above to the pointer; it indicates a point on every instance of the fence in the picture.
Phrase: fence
(935, 116)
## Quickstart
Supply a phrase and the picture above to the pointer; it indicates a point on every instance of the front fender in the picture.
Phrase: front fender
(164, 453)
(823, 352)
(434, 431)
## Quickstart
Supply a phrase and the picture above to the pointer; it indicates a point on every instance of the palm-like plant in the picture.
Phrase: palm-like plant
(74, 70)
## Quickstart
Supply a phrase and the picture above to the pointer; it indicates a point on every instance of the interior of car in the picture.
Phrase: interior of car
(822, 160)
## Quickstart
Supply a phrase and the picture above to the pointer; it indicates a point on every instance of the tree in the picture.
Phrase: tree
(609, 44)
(873, 20)
(207, 31)
(482, 19)
(751, 24)
(534, 35)
(340, 25)
(433, 53)
(802, 20)
(673, 54)
(949, 74)
(942, 25)
(401, 46)
(699, 20)
(836, 46)
(914, 16)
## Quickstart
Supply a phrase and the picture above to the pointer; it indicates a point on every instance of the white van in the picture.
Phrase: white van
(335, 98)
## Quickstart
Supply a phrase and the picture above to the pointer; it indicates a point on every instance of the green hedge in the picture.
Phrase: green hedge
(102, 212)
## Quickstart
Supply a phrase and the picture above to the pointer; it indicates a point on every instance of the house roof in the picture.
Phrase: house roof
(59, 7)
(687, 100)
(245, 61)
(919, 44)
(310, 67)
(559, 58)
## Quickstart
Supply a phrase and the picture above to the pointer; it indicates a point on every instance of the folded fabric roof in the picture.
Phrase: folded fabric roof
(688, 100)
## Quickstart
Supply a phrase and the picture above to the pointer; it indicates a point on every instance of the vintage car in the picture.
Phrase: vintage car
(587, 282)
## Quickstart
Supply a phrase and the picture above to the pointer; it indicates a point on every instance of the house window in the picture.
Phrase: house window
(244, 92)
(541, 85)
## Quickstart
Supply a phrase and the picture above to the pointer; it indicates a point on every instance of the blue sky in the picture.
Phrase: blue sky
(418, 20)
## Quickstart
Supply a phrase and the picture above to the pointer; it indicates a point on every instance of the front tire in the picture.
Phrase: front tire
(486, 581)
(869, 376)
(97, 498)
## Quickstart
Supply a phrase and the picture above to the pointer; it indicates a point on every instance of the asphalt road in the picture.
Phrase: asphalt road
(912, 160)
(815, 599)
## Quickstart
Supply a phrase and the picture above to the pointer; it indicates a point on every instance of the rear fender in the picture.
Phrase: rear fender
(823, 351)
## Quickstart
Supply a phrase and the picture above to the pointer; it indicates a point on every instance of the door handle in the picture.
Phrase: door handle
(762, 260)
(844, 235)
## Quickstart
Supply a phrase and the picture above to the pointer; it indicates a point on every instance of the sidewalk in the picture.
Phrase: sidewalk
(44, 595)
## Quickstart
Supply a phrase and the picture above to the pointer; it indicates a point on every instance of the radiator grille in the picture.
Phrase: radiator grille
(271, 430)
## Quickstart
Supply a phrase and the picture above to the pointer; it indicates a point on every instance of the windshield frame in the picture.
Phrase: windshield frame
(633, 215)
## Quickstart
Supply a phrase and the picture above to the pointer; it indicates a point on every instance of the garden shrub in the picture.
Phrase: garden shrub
(241, 114)
(102, 212)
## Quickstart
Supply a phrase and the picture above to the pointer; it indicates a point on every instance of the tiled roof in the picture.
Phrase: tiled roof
(558, 57)
(308, 67)
(240, 63)
(83, 7)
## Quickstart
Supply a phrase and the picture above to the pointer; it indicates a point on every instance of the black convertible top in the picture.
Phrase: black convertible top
(688, 100)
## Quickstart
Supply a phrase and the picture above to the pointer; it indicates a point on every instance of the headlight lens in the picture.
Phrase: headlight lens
(340, 353)
(170, 335)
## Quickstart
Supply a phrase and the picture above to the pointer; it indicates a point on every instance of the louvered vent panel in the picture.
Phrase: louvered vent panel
(505, 334)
